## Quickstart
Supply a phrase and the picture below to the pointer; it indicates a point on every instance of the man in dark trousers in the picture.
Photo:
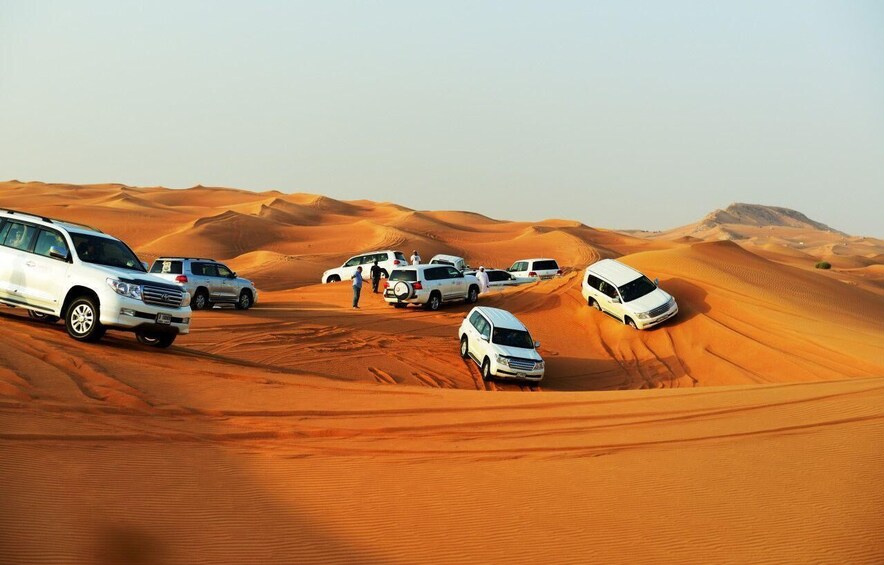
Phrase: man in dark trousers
(375, 276)
(357, 286)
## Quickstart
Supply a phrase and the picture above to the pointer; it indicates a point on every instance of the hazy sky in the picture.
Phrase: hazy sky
(621, 114)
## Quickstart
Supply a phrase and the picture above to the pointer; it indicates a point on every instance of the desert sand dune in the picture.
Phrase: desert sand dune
(303, 432)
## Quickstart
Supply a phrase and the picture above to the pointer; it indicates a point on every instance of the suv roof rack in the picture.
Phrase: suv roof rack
(50, 220)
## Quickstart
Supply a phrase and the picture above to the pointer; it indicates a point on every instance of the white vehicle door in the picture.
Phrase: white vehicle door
(434, 280)
(16, 275)
(47, 269)
(202, 277)
(457, 287)
(349, 268)
(226, 285)
(483, 338)
(610, 300)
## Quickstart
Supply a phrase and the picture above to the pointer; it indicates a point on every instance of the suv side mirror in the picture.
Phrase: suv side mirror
(615, 300)
(483, 337)
(231, 276)
(57, 253)
(145, 265)
(536, 345)
(656, 282)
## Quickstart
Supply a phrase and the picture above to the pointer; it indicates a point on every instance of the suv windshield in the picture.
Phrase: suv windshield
(512, 338)
(105, 251)
(637, 288)
(400, 275)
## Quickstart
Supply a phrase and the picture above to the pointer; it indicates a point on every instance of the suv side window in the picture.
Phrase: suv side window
(49, 239)
(608, 289)
(196, 269)
(593, 281)
(432, 274)
(223, 271)
(485, 328)
(4, 229)
(452, 273)
(496, 276)
(474, 319)
(209, 270)
(19, 236)
(354, 261)
(520, 266)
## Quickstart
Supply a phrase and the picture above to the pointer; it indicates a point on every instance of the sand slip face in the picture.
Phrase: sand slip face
(301, 431)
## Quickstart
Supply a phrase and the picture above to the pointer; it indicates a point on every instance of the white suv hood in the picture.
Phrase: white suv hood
(127, 274)
(649, 301)
(517, 352)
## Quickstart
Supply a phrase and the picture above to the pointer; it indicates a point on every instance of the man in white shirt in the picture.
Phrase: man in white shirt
(415, 258)
(483, 280)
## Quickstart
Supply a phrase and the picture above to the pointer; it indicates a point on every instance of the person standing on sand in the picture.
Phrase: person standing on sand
(415, 258)
(357, 286)
(375, 276)
(483, 280)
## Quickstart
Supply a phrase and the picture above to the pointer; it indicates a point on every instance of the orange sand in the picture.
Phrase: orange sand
(279, 435)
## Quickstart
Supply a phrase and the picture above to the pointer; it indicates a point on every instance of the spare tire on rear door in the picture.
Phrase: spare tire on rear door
(403, 290)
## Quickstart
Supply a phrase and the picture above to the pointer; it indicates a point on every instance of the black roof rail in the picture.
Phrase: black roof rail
(50, 220)
(185, 259)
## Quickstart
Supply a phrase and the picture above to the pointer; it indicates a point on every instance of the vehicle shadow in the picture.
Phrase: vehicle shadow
(691, 300)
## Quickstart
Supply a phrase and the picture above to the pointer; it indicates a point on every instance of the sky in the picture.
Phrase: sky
(621, 114)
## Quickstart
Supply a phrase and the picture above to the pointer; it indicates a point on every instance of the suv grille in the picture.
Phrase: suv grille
(521, 364)
(162, 296)
(660, 310)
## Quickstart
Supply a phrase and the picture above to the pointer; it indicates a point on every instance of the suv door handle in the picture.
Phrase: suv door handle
(31, 264)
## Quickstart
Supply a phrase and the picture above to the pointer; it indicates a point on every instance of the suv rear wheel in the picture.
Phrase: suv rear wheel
(434, 302)
(245, 300)
(82, 320)
(200, 300)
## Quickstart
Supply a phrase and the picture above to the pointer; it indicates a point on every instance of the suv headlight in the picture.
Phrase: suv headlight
(538, 365)
(186, 300)
(644, 315)
(125, 289)
(501, 360)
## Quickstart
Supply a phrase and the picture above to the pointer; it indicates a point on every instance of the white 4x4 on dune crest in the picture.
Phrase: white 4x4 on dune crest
(387, 261)
(430, 286)
(626, 294)
(57, 269)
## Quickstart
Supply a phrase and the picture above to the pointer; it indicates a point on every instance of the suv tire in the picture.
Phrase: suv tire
(595, 304)
(629, 322)
(82, 320)
(245, 300)
(161, 340)
(333, 279)
(464, 347)
(200, 300)
(473, 295)
(486, 370)
(434, 302)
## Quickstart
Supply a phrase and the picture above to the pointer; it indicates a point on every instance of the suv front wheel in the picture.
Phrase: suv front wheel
(155, 339)
(245, 300)
(82, 320)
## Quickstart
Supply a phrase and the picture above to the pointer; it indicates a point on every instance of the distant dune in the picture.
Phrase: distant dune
(746, 430)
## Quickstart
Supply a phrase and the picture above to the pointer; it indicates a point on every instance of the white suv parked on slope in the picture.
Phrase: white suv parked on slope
(429, 285)
(500, 344)
(208, 282)
(542, 269)
(93, 281)
(626, 294)
(387, 261)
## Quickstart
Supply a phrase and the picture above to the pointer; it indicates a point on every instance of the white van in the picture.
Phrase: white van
(542, 268)
(626, 294)
(500, 344)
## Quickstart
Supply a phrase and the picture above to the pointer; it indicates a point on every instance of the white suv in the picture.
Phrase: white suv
(430, 286)
(208, 282)
(387, 261)
(626, 294)
(500, 344)
(93, 281)
(543, 268)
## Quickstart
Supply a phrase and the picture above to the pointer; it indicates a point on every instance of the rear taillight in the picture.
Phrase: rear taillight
(181, 278)
(532, 274)
(395, 261)
(417, 286)
(559, 272)
(386, 284)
